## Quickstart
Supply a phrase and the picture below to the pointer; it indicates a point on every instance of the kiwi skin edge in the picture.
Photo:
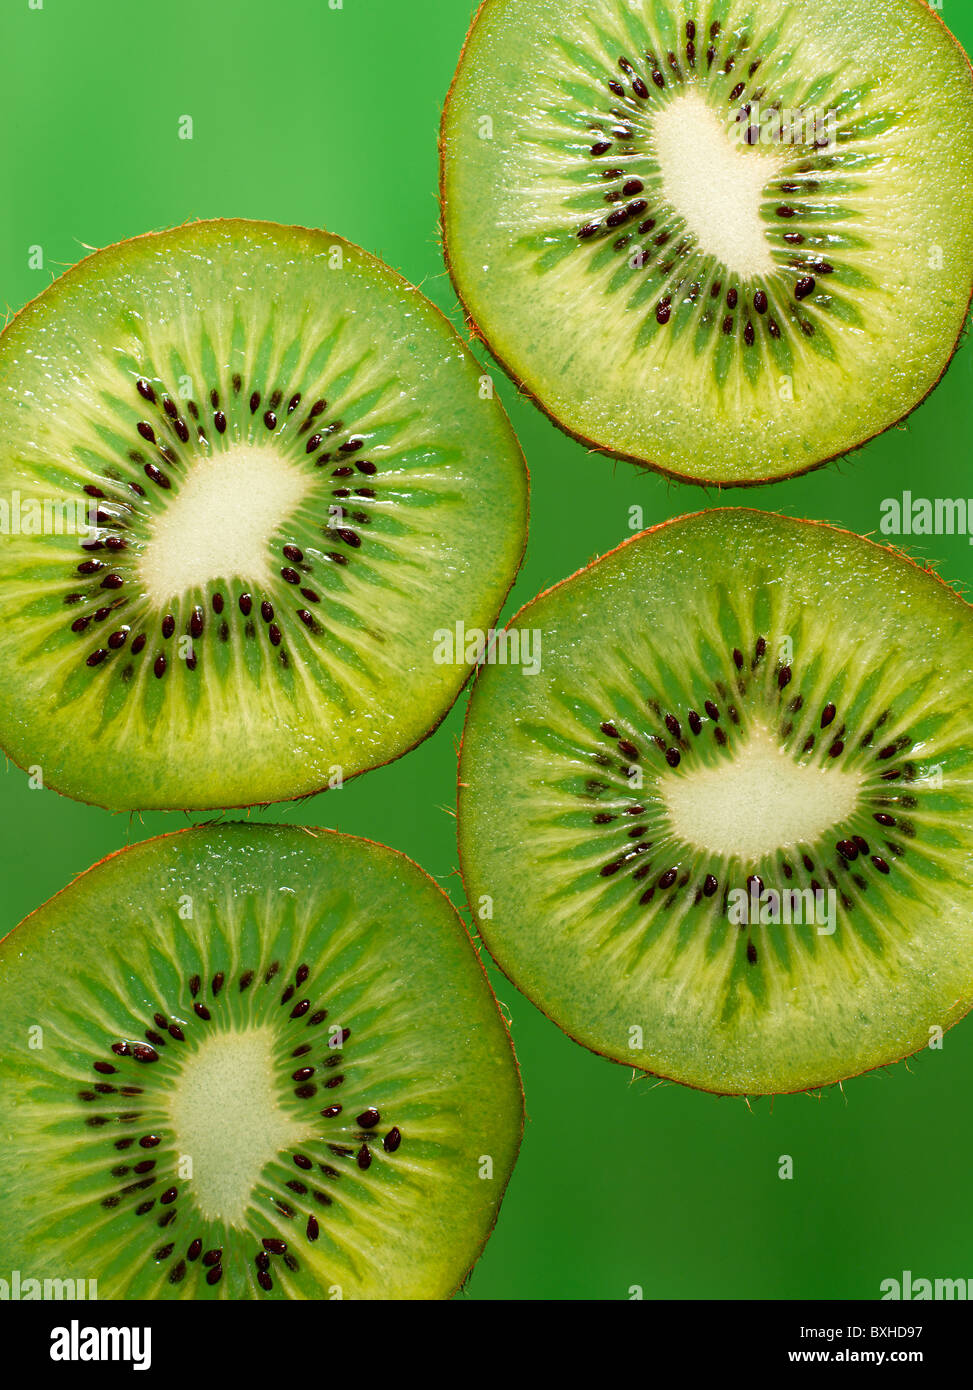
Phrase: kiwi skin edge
(478, 336)
(303, 796)
(323, 830)
(808, 1090)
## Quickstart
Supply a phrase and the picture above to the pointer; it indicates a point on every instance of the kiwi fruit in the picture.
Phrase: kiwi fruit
(273, 1068)
(248, 472)
(724, 238)
(725, 834)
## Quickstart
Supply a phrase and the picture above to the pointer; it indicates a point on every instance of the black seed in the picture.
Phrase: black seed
(884, 819)
(880, 864)
(150, 1141)
(364, 1157)
(751, 953)
(270, 420)
(160, 665)
(784, 677)
(600, 147)
(302, 1074)
(196, 622)
(157, 475)
(300, 1008)
(290, 576)
(254, 402)
(712, 711)
(836, 749)
(749, 335)
(201, 1011)
(804, 287)
(828, 716)
(720, 736)
(695, 723)
(214, 1275)
(673, 757)
(369, 1118)
(265, 1281)
(668, 878)
(392, 1140)
(275, 1246)
(168, 625)
(847, 849)
(317, 1018)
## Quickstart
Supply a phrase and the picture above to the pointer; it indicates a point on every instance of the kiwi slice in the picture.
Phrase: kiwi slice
(725, 834)
(272, 1068)
(722, 238)
(249, 473)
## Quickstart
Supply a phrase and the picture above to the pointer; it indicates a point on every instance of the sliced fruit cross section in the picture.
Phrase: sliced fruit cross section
(273, 1068)
(725, 833)
(720, 238)
(248, 474)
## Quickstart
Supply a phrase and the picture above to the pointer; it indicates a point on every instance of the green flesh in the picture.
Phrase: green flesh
(617, 825)
(216, 394)
(164, 934)
(725, 309)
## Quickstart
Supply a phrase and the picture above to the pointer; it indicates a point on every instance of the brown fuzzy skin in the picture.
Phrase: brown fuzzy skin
(301, 796)
(377, 844)
(592, 445)
(629, 540)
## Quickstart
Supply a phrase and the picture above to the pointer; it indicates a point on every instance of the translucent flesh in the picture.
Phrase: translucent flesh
(293, 484)
(241, 956)
(726, 309)
(638, 813)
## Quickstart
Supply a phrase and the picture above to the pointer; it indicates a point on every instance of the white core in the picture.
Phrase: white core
(716, 184)
(226, 1119)
(760, 802)
(221, 521)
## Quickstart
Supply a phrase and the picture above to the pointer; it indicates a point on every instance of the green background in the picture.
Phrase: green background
(329, 117)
